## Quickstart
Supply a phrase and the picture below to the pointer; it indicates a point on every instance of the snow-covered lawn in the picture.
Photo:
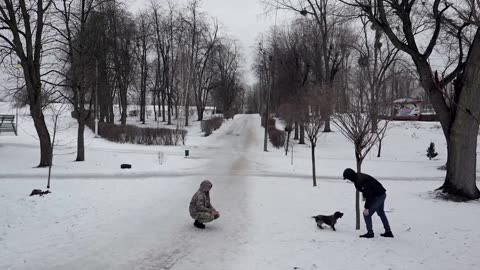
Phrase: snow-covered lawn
(99, 217)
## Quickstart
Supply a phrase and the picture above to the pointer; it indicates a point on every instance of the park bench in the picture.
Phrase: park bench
(7, 123)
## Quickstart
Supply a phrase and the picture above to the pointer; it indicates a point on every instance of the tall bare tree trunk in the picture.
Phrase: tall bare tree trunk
(327, 127)
(43, 134)
(460, 116)
(302, 134)
(123, 103)
(288, 141)
(80, 137)
(169, 109)
(295, 137)
(163, 107)
(463, 131)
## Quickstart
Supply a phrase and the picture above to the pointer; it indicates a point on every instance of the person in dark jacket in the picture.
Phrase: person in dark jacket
(375, 195)
(201, 210)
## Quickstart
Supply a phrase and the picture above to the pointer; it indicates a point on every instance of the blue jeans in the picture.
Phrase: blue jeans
(377, 205)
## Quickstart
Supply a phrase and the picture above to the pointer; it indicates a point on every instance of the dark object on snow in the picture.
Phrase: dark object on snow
(387, 234)
(431, 151)
(329, 220)
(187, 153)
(39, 192)
(367, 235)
(125, 166)
(199, 224)
(443, 167)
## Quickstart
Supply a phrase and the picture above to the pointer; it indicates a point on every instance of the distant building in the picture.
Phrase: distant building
(412, 109)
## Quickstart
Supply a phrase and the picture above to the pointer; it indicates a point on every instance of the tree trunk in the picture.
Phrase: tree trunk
(43, 134)
(379, 148)
(288, 142)
(80, 138)
(302, 134)
(295, 136)
(462, 133)
(187, 107)
(327, 127)
(461, 161)
(123, 105)
(163, 108)
(154, 96)
(265, 131)
(176, 111)
(313, 166)
(200, 111)
(374, 118)
(169, 109)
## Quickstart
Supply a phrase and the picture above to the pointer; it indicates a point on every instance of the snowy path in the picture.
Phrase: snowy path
(221, 242)
(142, 223)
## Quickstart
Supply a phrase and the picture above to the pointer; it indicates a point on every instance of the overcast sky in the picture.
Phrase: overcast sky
(243, 20)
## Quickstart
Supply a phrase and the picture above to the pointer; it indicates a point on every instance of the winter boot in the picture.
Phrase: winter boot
(199, 224)
(387, 234)
(367, 235)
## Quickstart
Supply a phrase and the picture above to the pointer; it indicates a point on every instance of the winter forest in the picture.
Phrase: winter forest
(255, 134)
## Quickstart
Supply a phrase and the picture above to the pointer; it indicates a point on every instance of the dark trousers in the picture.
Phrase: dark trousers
(377, 205)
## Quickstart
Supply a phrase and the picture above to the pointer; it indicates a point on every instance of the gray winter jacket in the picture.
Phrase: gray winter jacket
(200, 202)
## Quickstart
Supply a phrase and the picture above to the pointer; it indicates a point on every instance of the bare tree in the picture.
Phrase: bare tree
(57, 111)
(459, 114)
(375, 59)
(381, 134)
(122, 36)
(356, 126)
(328, 55)
(22, 25)
(228, 88)
(289, 113)
(209, 41)
(143, 38)
(164, 27)
(313, 121)
(77, 33)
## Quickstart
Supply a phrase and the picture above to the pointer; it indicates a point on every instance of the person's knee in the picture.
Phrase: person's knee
(206, 217)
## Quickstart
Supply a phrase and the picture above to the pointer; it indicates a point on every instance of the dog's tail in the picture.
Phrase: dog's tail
(314, 216)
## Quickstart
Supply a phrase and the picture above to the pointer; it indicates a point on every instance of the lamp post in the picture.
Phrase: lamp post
(267, 101)
(269, 87)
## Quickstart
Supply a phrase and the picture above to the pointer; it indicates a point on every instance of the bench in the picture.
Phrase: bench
(7, 123)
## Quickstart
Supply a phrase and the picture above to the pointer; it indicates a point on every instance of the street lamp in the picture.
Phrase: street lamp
(267, 99)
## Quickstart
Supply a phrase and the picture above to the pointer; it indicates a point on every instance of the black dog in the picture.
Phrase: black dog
(329, 220)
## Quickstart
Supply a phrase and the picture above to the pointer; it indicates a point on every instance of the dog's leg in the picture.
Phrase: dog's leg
(333, 227)
(319, 226)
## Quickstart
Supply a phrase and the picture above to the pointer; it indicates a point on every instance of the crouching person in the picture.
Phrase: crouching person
(201, 210)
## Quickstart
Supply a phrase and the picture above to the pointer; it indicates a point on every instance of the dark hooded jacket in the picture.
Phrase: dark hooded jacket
(366, 184)
(201, 200)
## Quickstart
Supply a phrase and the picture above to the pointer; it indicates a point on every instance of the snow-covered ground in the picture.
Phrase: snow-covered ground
(99, 217)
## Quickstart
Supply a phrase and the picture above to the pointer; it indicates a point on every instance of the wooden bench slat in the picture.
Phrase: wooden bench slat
(7, 123)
